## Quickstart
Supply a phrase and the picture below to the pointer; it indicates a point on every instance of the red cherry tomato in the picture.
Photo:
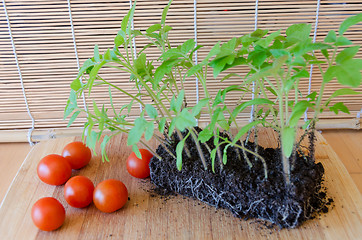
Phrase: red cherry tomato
(78, 191)
(54, 169)
(48, 214)
(77, 154)
(110, 195)
(139, 168)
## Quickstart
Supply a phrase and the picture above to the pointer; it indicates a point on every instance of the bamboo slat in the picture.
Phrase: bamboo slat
(45, 49)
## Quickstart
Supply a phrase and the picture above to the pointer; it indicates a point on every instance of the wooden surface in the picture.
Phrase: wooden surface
(348, 146)
(147, 217)
(12, 156)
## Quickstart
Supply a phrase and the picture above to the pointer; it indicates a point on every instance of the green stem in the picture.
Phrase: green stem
(202, 157)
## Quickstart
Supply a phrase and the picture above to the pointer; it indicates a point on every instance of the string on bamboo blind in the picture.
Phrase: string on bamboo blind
(20, 76)
(311, 66)
(49, 36)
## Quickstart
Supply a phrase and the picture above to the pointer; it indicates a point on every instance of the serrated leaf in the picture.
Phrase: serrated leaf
(336, 108)
(325, 53)
(272, 91)
(136, 150)
(349, 72)
(347, 54)
(298, 111)
(164, 12)
(185, 120)
(73, 117)
(205, 135)
(172, 127)
(136, 132)
(343, 41)
(298, 32)
(153, 28)
(126, 20)
(287, 140)
(256, 101)
(76, 84)
(331, 37)
(198, 107)
(312, 96)
(244, 130)
(349, 22)
(96, 109)
(149, 131)
(161, 125)
(151, 111)
(96, 54)
(188, 46)
(179, 100)
(344, 91)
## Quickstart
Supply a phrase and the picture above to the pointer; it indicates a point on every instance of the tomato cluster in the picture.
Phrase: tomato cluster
(108, 196)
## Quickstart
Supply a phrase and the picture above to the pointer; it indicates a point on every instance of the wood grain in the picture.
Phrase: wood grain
(150, 217)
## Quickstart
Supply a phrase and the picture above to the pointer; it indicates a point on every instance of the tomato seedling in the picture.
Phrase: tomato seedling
(77, 154)
(110, 195)
(139, 167)
(48, 214)
(78, 191)
(54, 169)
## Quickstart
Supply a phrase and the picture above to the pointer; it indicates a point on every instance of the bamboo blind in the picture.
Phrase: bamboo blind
(48, 55)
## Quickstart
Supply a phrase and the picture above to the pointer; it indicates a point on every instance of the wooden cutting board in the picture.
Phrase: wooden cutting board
(147, 216)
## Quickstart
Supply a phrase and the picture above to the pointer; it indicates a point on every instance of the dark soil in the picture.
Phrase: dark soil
(244, 191)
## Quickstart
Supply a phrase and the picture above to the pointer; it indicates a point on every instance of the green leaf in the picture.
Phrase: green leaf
(179, 149)
(188, 46)
(205, 135)
(161, 125)
(213, 156)
(73, 117)
(224, 155)
(179, 100)
(151, 111)
(343, 41)
(71, 104)
(172, 127)
(103, 148)
(339, 107)
(96, 54)
(349, 72)
(330, 74)
(347, 54)
(164, 12)
(331, 37)
(288, 139)
(256, 101)
(118, 40)
(244, 130)
(149, 131)
(259, 33)
(153, 28)
(344, 91)
(272, 91)
(136, 132)
(194, 69)
(126, 20)
(76, 84)
(96, 109)
(298, 111)
(312, 96)
(185, 120)
(298, 32)
(325, 53)
(198, 107)
(349, 22)
(136, 150)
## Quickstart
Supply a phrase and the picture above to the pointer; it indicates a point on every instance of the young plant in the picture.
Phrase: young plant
(277, 65)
